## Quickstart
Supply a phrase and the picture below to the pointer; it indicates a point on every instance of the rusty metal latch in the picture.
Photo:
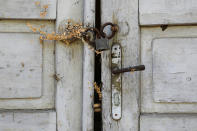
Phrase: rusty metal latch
(116, 79)
(128, 69)
(100, 39)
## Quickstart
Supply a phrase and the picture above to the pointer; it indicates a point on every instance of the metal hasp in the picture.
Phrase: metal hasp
(116, 81)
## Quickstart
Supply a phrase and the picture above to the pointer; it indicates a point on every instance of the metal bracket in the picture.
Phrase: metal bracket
(116, 82)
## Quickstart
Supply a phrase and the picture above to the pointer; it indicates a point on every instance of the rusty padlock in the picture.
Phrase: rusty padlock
(102, 44)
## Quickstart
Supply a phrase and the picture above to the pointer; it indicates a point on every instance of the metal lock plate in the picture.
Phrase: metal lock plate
(116, 82)
(102, 44)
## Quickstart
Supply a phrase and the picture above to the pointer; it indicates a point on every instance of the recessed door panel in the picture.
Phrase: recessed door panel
(20, 65)
(158, 12)
(168, 84)
(26, 66)
(174, 70)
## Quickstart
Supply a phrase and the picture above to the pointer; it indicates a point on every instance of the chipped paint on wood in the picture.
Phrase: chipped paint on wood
(17, 81)
(174, 71)
(168, 122)
(125, 15)
(28, 121)
(159, 12)
(28, 66)
(28, 9)
(69, 65)
(88, 72)
(170, 91)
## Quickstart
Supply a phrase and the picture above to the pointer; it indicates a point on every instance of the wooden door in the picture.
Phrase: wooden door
(27, 66)
(31, 95)
(161, 34)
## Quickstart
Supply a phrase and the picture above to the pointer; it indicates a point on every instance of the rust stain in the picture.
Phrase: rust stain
(31, 27)
(98, 90)
(37, 3)
(115, 21)
(45, 6)
(44, 12)
(22, 64)
(57, 77)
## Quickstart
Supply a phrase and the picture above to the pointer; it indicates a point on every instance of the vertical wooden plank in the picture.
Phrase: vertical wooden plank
(69, 67)
(88, 72)
(125, 14)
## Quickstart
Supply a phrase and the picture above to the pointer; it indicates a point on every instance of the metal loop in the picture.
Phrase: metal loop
(95, 30)
(114, 29)
(86, 37)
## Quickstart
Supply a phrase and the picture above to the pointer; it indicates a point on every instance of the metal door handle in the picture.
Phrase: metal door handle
(128, 69)
(116, 79)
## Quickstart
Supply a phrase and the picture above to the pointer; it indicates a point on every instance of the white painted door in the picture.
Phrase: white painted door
(161, 34)
(30, 97)
(27, 92)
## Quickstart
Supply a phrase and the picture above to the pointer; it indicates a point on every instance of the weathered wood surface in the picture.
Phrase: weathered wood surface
(27, 9)
(156, 12)
(23, 48)
(167, 122)
(88, 72)
(125, 14)
(69, 68)
(174, 71)
(20, 65)
(175, 50)
(28, 121)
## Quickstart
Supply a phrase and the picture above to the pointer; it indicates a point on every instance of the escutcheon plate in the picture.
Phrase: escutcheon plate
(116, 82)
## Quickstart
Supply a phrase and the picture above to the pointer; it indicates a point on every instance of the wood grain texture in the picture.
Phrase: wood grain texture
(157, 12)
(28, 121)
(168, 122)
(125, 14)
(186, 36)
(88, 72)
(43, 61)
(69, 67)
(27, 9)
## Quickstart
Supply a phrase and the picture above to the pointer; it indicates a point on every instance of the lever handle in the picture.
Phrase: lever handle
(129, 69)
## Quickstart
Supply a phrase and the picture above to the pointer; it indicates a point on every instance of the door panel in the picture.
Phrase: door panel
(169, 81)
(174, 70)
(28, 9)
(156, 12)
(168, 122)
(26, 66)
(125, 14)
(21, 65)
(168, 100)
(29, 68)
(28, 121)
